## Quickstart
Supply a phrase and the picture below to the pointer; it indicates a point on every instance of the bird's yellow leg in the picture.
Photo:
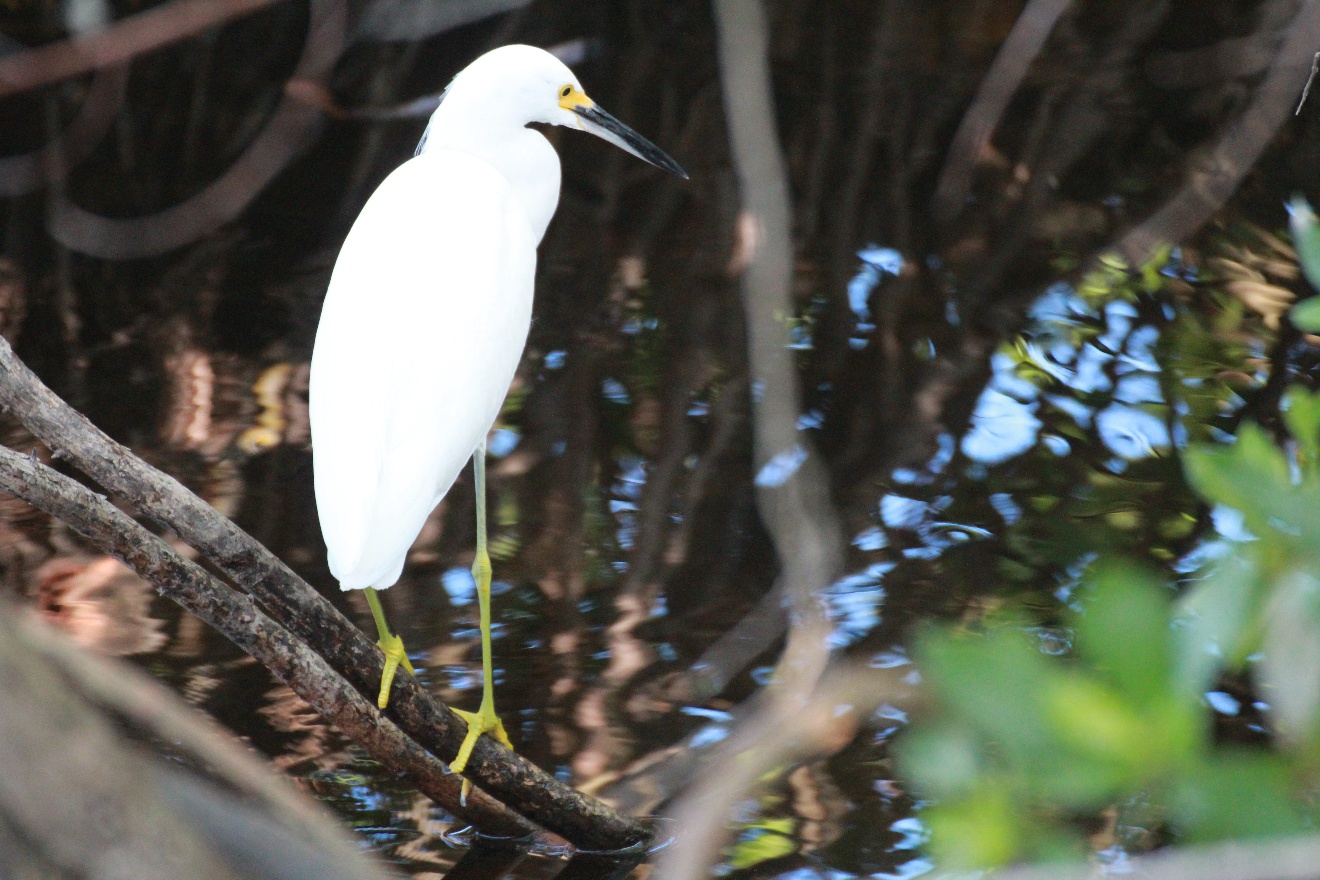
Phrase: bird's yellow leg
(392, 645)
(484, 719)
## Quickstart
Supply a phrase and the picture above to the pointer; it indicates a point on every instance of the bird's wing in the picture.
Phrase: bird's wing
(422, 329)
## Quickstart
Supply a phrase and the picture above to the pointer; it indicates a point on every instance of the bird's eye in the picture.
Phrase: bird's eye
(565, 91)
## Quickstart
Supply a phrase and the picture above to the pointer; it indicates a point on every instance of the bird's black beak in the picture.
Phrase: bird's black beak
(603, 125)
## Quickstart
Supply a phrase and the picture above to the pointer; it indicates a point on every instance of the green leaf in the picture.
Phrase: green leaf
(766, 840)
(1124, 631)
(1252, 476)
(1236, 795)
(1236, 474)
(1306, 238)
(1301, 413)
(1212, 621)
(1290, 672)
(1152, 278)
(981, 831)
(1094, 719)
(992, 683)
(1305, 315)
(943, 759)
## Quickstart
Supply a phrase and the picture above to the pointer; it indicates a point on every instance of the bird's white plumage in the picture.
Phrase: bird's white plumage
(430, 302)
(428, 310)
(422, 330)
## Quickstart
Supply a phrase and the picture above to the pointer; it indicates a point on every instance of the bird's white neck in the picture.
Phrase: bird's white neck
(522, 155)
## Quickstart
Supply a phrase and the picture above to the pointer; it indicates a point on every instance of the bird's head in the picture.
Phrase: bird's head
(535, 86)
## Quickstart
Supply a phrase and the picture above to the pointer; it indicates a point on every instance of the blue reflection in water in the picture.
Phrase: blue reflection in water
(1130, 432)
(945, 446)
(502, 441)
(913, 831)
(1231, 523)
(632, 477)
(876, 263)
(812, 419)
(1139, 388)
(871, 539)
(634, 326)
(781, 467)
(1006, 507)
(854, 603)
(1058, 445)
(710, 714)
(1007, 423)
(626, 491)
(614, 391)
(890, 658)
(1004, 425)
(459, 584)
(902, 513)
(1058, 305)
(1076, 410)
(1139, 352)
(708, 736)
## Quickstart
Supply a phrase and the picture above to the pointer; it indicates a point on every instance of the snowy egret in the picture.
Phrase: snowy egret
(425, 320)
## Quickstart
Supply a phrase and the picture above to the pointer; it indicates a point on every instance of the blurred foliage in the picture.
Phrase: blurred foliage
(1024, 748)
(1047, 742)
(762, 841)
(1306, 238)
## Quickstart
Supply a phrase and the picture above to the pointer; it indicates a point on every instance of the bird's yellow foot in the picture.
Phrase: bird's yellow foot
(395, 657)
(482, 721)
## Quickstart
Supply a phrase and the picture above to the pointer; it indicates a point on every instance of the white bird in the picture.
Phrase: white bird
(425, 321)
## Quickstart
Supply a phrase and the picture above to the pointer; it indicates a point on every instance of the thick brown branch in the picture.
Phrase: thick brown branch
(238, 617)
(306, 614)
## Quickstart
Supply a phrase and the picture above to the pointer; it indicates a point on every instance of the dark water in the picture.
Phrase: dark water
(989, 422)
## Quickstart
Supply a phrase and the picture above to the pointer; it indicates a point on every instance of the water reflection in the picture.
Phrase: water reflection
(985, 501)
(101, 604)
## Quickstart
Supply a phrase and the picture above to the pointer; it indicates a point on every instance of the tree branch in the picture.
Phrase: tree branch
(238, 618)
(291, 602)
